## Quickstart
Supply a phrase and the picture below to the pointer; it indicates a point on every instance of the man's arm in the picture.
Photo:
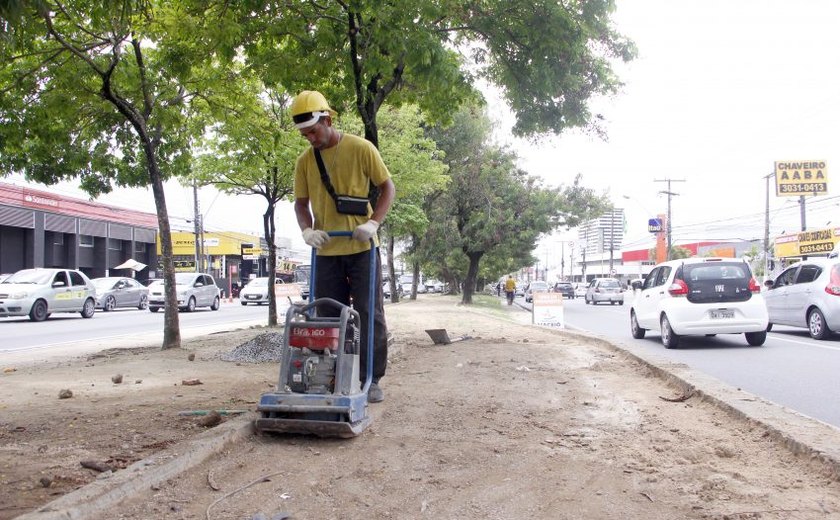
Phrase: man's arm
(304, 217)
(387, 191)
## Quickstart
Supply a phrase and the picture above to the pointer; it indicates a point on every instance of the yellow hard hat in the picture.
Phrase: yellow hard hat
(308, 107)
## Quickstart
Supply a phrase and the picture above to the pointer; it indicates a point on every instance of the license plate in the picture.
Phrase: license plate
(722, 314)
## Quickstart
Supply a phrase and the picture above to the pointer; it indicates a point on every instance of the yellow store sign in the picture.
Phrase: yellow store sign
(215, 244)
(807, 243)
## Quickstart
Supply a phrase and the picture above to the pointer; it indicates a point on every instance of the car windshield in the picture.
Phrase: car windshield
(104, 283)
(33, 276)
(302, 274)
(184, 278)
(717, 271)
(564, 286)
(258, 282)
(538, 285)
(609, 283)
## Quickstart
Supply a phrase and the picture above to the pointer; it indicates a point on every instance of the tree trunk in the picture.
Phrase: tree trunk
(389, 253)
(472, 276)
(415, 271)
(270, 231)
(171, 323)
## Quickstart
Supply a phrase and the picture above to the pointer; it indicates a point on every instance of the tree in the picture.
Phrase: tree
(494, 207)
(252, 151)
(102, 92)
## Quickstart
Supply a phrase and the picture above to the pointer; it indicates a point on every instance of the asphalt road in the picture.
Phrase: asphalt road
(790, 369)
(122, 327)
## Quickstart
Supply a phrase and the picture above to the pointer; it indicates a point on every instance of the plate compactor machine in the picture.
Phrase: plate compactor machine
(319, 391)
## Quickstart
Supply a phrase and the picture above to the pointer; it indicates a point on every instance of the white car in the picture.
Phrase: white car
(604, 290)
(256, 292)
(807, 294)
(193, 290)
(37, 293)
(537, 286)
(700, 296)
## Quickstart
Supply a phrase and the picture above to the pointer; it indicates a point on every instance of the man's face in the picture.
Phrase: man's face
(318, 134)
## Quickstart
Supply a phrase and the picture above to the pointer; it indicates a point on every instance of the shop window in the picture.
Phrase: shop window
(85, 240)
(115, 244)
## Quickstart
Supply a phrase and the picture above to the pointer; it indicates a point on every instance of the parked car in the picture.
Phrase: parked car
(256, 291)
(38, 293)
(807, 294)
(700, 296)
(118, 291)
(302, 273)
(406, 281)
(536, 286)
(580, 290)
(566, 289)
(434, 286)
(604, 290)
(193, 290)
(386, 289)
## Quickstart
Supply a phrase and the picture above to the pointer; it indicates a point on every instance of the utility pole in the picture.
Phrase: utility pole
(199, 245)
(767, 224)
(668, 224)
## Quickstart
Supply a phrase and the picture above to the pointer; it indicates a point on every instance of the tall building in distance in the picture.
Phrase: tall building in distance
(603, 234)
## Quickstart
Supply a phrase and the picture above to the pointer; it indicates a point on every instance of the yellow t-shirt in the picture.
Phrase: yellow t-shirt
(351, 165)
(510, 285)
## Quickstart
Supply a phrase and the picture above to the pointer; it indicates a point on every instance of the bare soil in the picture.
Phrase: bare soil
(517, 422)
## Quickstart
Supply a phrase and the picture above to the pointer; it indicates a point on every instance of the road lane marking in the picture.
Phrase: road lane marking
(806, 343)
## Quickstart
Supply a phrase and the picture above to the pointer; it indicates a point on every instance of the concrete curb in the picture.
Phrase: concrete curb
(104, 493)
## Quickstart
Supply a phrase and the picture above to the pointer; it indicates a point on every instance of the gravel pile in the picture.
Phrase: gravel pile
(263, 348)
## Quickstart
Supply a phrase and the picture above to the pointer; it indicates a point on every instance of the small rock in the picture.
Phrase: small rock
(45, 482)
(117, 379)
(65, 394)
(191, 382)
(138, 381)
(9, 370)
(191, 357)
(211, 419)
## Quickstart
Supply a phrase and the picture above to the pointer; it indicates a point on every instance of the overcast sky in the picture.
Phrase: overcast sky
(720, 91)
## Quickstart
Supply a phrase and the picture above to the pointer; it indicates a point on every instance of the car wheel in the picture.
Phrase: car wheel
(756, 339)
(215, 305)
(154, 309)
(109, 304)
(669, 338)
(88, 308)
(144, 302)
(190, 305)
(38, 311)
(816, 325)
(769, 327)
(635, 330)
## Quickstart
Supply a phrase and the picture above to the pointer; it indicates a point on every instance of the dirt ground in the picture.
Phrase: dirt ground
(518, 422)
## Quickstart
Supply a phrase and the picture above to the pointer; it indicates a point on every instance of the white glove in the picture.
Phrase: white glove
(315, 237)
(365, 231)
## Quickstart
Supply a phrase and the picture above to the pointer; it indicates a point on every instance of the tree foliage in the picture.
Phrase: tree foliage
(252, 150)
(102, 91)
(494, 208)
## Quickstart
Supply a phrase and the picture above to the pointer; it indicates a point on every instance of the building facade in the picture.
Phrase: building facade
(43, 229)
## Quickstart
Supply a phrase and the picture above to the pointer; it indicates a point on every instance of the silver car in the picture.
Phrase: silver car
(38, 293)
(118, 291)
(192, 289)
(256, 291)
(604, 290)
(807, 294)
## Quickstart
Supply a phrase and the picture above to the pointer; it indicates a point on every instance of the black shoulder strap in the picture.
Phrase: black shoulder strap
(324, 177)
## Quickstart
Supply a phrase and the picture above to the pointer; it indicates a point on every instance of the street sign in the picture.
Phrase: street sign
(655, 225)
(796, 178)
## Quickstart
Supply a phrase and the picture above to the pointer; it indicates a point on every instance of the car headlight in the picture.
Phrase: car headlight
(18, 295)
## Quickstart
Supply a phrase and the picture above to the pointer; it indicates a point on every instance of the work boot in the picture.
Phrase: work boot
(375, 394)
